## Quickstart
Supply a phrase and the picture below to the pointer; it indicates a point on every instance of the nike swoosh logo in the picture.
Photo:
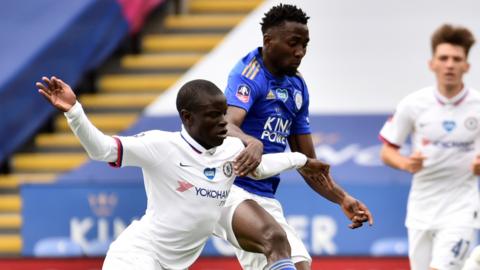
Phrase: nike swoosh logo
(184, 165)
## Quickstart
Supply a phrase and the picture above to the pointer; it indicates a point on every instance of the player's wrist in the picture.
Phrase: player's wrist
(74, 110)
(404, 164)
(251, 141)
(299, 160)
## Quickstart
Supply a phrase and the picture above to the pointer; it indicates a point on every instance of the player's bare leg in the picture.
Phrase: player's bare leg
(257, 231)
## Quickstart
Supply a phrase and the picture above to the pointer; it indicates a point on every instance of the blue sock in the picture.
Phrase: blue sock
(283, 264)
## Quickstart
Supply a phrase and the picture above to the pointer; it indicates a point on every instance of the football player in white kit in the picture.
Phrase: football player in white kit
(444, 121)
(187, 176)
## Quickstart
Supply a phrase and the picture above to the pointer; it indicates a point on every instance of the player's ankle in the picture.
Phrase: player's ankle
(283, 264)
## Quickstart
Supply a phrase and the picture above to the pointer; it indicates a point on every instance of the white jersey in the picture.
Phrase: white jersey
(186, 186)
(193, 182)
(447, 132)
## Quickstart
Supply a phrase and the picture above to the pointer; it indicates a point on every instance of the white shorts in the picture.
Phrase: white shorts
(130, 261)
(256, 261)
(444, 249)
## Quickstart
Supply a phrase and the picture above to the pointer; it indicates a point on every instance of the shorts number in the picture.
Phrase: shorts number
(459, 247)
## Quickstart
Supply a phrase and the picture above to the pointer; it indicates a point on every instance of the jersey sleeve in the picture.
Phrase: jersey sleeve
(241, 92)
(301, 123)
(273, 164)
(398, 127)
(146, 149)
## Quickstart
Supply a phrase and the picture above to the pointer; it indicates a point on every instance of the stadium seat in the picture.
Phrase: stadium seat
(57, 247)
(395, 246)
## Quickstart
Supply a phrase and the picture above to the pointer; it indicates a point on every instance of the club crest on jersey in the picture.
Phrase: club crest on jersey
(243, 93)
(270, 95)
(298, 99)
(449, 125)
(471, 123)
(209, 173)
(228, 168)
(282, 94)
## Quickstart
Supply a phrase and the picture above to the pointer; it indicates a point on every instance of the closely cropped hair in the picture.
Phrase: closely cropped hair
(281, 13)
(190, 93)
(456, 35)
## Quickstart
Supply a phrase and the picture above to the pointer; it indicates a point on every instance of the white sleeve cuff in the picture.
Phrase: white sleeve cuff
(75, 111)
(273, 164)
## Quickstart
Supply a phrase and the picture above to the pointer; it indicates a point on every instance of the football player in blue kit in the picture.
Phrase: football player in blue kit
(268, 109)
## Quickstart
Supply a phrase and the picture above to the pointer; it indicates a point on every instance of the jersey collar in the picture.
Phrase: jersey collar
(451, 101)
(194, 144)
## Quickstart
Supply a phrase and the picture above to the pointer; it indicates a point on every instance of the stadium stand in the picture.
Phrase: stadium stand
(353, 87)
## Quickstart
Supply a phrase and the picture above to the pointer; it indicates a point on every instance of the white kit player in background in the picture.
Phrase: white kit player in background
(444, 121)
(187, 175)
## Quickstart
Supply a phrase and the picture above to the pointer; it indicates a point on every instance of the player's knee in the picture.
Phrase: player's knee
(275, 239)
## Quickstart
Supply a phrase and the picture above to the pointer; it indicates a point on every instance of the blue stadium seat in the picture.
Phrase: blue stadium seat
(57, 247)
(394, 246)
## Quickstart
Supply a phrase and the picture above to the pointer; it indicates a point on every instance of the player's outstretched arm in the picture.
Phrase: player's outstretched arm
(317, 175)
(319, 180)
(98, 145)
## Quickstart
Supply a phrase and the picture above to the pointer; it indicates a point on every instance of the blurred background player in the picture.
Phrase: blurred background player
(187, 176)
(268, 107)
(443, 204)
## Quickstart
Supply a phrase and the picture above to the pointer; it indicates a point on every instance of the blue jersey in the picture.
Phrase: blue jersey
(276, 107)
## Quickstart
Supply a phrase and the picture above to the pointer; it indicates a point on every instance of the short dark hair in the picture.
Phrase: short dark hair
(455, 35)
(190, 94)
(281, 13)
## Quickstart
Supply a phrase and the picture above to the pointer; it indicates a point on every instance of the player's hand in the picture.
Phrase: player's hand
(249, 159)
(317, 171)
(356, 211)
(58, 93)
(414, 162)
(476, 165)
